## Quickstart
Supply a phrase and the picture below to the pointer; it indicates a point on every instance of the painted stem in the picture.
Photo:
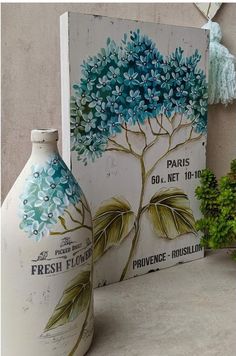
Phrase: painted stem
(144, 176)
(134, 243)
(149, 172)
(88, 309)
(71, 217)
(72, 352)
(137, 222)
(70, 230)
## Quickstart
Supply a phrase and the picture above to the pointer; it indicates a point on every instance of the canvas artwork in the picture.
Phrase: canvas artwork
(134, 108)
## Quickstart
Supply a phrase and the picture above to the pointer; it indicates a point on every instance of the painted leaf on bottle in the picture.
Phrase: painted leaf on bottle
(74, 301)
(113, 222)
(170, 213)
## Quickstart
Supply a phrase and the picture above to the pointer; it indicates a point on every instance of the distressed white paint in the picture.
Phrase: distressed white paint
(115, 174)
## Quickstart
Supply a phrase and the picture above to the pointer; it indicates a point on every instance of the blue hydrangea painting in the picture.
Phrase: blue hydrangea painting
(131, 90)
(48, 192)
(132, 83)
(134, 115)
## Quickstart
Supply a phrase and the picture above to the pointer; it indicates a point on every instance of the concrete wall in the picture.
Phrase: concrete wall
(31, 74)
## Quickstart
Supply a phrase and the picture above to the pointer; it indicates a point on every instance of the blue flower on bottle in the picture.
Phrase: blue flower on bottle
(27, 216)
(65, 176)
(50, 183)
(43, 198)
(36, 173)
(49, 216)
(49, 190)
(38, 229)
(26, 199)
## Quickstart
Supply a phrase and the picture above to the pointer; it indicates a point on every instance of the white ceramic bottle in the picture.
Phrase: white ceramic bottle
(47, 299)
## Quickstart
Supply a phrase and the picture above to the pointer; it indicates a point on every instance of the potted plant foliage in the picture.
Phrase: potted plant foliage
(218, 206)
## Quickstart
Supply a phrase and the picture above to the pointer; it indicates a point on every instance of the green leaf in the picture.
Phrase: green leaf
(170, 213)
(112, 223)
(74, 301)
(62, 221)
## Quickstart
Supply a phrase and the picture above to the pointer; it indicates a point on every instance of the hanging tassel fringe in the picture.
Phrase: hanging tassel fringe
(222, 75)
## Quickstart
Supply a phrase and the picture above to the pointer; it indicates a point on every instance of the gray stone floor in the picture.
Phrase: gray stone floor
(186, 310)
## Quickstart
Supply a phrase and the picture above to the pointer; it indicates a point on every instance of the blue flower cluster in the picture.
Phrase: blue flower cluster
(48, 192)
(130, 83)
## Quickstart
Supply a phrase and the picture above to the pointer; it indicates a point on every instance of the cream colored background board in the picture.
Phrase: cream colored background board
(31, 74)
(116, 174)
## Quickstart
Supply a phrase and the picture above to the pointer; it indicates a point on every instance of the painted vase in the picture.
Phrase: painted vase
(47, 298)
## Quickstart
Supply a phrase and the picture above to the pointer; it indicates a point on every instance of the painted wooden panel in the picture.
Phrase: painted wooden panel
(134, 111)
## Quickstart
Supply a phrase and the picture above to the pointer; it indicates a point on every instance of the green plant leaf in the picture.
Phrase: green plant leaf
(74, 301)
(112, 223)
(170, 213)
(62, 221)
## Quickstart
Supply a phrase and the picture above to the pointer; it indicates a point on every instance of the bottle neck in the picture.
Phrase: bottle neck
(44, 149)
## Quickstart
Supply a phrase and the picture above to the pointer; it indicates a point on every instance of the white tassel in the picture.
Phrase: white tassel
(222, 75)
